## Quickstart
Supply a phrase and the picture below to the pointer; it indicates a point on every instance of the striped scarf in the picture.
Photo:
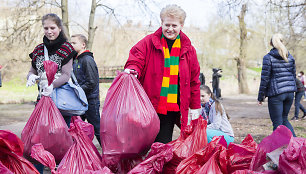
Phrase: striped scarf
(169, 90)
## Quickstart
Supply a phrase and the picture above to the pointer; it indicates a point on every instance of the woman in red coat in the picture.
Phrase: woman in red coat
(167, 67)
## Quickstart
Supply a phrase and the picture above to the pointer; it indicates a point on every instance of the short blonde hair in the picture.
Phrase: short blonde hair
(174, 11)
(277, 42)
(82, 38)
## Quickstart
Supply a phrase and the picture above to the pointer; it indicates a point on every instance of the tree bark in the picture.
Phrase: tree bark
(91, 28)
(241, 65)
(64, 8)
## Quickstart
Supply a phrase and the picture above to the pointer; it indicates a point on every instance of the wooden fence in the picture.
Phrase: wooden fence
(108, 73)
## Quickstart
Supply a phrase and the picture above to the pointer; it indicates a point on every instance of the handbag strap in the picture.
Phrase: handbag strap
(74, 78)
(46, 54)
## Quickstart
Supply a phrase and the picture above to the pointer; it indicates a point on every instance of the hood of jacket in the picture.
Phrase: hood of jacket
(274, 52)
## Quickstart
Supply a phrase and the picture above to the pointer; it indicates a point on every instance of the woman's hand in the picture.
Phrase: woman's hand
(47, 91)
(32, 80)
(259, 102)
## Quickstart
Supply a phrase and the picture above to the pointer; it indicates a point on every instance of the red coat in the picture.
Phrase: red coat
(147, 58)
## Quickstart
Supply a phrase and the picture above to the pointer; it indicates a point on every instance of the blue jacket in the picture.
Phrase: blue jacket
(277, 76)
(86, 72)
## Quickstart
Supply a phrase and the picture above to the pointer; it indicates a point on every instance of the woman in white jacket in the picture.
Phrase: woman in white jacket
(213, 111)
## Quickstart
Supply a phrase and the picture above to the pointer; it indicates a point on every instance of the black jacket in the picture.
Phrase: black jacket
(299, 85)
(86, 72)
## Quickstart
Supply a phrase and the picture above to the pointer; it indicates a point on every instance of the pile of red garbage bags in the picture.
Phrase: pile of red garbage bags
(129, 125)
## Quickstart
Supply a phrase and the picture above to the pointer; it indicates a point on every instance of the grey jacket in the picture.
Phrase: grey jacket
(218, 121)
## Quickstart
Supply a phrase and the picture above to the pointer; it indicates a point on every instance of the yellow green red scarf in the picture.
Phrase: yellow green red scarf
(169, 90)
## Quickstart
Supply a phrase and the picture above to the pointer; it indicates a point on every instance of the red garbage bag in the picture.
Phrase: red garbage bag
(211, 166)
(87, 128)
(280, 136)
(240, 155)
(129, 122)
(192, 139)
(105, 170)
(160, 154)
(246, 171)
(292, 160)
(194, 163)
(11, 150)
(50, 68)
(4, 170)
(46, 125)
(44, 157)
(81, 156)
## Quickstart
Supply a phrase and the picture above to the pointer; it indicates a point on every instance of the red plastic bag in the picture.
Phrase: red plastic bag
(280, 136)
(160, 154)
(82, 154)
(44, 157)
(191, 140)
(129, 122)
(292, 160)
(105, 170)
(211, 166)
(246, 171)
(4, 170)
(11, 150)
(50, 68)
(87, 128)
(46, 125)
(240, 155)
(194, 163)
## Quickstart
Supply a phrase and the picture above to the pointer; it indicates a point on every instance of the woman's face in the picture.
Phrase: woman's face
(171, 27)
(204, 97)
(51, 30)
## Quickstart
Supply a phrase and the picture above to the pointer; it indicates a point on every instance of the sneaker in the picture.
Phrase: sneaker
(304, 115)
(294, 118)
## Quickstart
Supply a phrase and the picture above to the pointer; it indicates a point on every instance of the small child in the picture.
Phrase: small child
(214, 113)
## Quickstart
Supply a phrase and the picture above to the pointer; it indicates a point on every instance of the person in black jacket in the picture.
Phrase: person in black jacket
(216, 81)
(86, 72)
(278, 82)
(297, 101)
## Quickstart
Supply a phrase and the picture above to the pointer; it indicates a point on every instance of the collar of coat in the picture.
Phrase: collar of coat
(185, 41)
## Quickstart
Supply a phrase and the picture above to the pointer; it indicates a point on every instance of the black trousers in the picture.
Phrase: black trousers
(167, 123)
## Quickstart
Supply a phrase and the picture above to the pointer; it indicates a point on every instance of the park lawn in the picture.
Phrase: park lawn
(16, 92)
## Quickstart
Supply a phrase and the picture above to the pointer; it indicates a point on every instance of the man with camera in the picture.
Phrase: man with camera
(215, 82)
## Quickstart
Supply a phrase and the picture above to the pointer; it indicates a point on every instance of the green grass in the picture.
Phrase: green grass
(15, 91)
(256, 69)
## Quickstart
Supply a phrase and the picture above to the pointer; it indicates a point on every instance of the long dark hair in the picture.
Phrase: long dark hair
(218, 106)
(53, 17)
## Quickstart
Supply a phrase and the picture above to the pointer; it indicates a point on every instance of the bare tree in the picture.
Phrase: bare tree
(291, 16)
(241, 67)
(241, 59)
(64, 9)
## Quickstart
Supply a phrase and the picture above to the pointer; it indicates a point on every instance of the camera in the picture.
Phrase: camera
(217, 70)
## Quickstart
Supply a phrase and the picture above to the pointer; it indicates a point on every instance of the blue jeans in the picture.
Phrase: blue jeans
(93, 116)
(39, 167)
(297, 104)
(279, 107)
(212, 132)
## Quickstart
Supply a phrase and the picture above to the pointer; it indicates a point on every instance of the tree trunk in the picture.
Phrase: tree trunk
(64, 8)
(241, 65)
(91, 28)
